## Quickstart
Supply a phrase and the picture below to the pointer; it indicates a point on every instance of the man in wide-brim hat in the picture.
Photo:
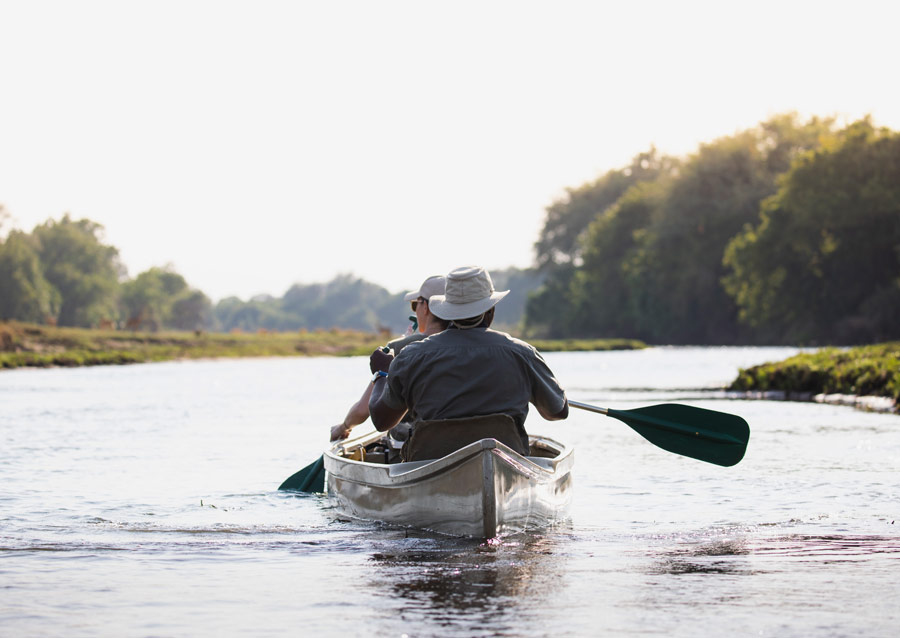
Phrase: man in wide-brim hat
(467, 370)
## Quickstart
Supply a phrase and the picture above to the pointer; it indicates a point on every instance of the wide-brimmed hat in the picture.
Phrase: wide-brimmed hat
(434, 285)
(470, 292)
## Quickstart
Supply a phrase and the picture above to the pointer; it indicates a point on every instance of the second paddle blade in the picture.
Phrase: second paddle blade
(310, 479)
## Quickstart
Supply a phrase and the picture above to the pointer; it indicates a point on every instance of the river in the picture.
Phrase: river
(141, 501)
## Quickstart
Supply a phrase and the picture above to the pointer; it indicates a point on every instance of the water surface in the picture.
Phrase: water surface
(141, 501)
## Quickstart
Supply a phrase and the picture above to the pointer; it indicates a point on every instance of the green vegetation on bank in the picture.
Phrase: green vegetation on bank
(586, 345)
(866, 370)
(783, 233)
(32, 345)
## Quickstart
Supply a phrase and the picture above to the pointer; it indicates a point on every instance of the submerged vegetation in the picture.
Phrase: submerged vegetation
(866, 370)
(32, 345)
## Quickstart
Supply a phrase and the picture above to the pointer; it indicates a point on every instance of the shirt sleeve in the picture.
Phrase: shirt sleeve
(546, 393)
(398, 344)
(395, 394)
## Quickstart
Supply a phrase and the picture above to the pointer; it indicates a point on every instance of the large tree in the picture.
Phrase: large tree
(161, 298)
(83, 270)
(568, 217)
(673, 273)
(601, 296)
(652, 262)
(823, 262)
(550, 310)
(191, 310)
(146, 300)
(25, 294)
(676, 271)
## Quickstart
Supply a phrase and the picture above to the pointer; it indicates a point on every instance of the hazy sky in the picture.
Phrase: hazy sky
(257, 144)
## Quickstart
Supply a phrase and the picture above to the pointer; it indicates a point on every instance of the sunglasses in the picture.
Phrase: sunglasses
(413, 304)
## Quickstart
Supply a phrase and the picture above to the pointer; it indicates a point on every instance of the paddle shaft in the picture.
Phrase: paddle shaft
(589, 408)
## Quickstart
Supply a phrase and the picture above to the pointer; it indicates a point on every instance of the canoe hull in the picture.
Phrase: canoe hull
(482, 490)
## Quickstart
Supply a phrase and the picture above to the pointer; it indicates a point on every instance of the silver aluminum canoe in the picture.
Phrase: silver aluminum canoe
(481, 490)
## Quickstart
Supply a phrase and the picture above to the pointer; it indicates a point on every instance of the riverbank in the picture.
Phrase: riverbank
(866, 377)
(31, 345)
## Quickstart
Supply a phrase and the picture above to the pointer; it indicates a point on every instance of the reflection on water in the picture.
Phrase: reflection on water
(751, 555)
(714, 557)
(828, 549)
(449, 580)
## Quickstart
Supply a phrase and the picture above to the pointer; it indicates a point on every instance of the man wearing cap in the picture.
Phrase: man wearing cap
(467, 370)
(427, 324)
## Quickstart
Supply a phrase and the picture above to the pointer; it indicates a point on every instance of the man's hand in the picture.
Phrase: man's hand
(340, 431)
(380, 360)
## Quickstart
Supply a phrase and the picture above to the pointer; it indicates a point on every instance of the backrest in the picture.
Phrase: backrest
(434, 439)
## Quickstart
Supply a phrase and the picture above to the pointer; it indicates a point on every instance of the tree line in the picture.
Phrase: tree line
(354, 303)
(788, 232)
(63, 273)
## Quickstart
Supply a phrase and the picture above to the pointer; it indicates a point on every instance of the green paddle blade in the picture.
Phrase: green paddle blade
(705, 435)
(310, 479)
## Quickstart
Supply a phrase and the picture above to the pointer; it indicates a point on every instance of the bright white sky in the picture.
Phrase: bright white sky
(257, 144)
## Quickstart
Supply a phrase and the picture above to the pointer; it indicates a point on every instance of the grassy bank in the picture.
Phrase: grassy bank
(585, 345)
(45, 346)
(29, 345)
(866, 370)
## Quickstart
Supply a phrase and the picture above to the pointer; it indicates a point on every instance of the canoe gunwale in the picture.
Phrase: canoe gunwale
(539, 469)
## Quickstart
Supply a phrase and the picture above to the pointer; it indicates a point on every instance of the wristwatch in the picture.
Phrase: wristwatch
(378, 375)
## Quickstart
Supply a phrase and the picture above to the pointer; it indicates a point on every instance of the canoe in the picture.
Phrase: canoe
(482, 490)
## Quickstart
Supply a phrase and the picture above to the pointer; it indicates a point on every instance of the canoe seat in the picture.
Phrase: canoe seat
(434, 439)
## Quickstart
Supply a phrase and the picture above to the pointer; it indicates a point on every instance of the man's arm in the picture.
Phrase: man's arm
(546, 391)
(559, 416)
(384, 417)
(357, 414)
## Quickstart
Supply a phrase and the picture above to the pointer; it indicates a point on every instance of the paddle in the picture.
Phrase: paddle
(706, 435)
(310, 479)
